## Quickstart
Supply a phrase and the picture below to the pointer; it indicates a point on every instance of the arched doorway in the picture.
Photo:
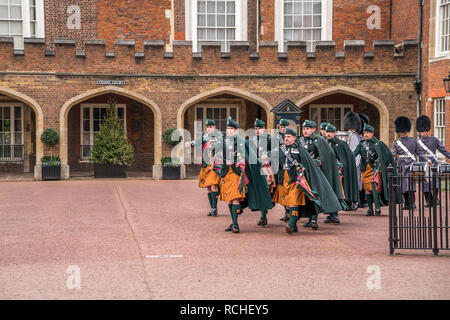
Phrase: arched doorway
(21, 126)
(80, 118)
(219, 104)
(332, 104)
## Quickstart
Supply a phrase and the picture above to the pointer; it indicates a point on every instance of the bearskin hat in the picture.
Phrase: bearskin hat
(352, 121)
(423, 123)
(402, 124)
(364, 120)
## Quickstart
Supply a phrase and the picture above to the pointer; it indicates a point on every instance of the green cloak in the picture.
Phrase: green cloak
(316, 179)
(258, 196)
(350, 179)
(329, 165)
(386, 158)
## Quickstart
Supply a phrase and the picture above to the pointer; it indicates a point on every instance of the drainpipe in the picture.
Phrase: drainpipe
(418, 82)
(258, 37)
(390, 20)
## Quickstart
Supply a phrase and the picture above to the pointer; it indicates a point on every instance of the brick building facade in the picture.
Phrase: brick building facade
(183, 60)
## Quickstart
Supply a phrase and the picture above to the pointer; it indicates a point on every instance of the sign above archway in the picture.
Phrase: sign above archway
(287, 110)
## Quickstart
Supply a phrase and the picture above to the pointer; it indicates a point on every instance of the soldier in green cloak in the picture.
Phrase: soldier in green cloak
(375, 159)
(261, 144)
(346, 165)
(283, 125)
(325, 157)
(302, 186)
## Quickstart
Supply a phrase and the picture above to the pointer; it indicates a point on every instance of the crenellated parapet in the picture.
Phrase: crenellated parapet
(233, 58)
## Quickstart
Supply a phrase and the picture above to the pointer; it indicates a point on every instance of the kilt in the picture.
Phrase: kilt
(229, 187)
(207, 177)
(288, 194)
(367, 176)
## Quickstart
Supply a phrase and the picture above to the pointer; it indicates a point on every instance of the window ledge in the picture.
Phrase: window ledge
(440, 58)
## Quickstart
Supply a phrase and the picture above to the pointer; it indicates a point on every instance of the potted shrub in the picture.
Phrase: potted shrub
(112, 153)
(51, 165)
(171, 168)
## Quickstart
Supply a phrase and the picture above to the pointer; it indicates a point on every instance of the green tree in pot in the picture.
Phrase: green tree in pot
(171, 167)
(112, 152)
(51, 165)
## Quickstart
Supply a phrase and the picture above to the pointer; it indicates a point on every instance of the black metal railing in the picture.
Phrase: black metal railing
(86, 151)
(423, 221)
(11, 152)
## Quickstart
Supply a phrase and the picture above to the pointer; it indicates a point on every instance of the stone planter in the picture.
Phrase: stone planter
(107, 170)
(51, 172)
(171, 173)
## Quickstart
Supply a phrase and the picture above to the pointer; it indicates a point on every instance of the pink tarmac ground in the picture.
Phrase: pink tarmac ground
(145, 239)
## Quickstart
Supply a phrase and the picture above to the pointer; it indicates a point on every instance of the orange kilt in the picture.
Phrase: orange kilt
(288, 194)
(229, 187)
(207, 177)
(367, 176)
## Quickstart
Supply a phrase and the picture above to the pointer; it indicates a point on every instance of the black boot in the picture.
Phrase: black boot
(412, 200)
(369, 198)
(362, 199)
(406, 197)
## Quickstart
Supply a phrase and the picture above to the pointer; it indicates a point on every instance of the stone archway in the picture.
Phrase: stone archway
(224, 90)
(63, 120)
(377, 103)
(39, 120)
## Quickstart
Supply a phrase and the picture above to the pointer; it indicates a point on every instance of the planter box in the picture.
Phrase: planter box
(102, 170)
(51, 172)
(171, 173)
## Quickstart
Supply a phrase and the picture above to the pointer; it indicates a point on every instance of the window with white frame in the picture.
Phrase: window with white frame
(219, 114)
(439, 119)
(11, 132)
(91, 118)
(20, 19)
(216, 20)
(303, 20)
(333, 114)
(443, 27)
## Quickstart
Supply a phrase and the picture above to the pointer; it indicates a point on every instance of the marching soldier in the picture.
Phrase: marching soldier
(352, 124)
(362, 193)
(404, 150)
(375, 158)
(323, 129)
(325, 157)
(283, 125)
(208, 178)
(261, 144)
(429, 145)
(346, 165)
(302, 187)
(241, 183)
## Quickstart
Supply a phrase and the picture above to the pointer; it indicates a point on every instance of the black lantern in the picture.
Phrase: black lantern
(447, 83)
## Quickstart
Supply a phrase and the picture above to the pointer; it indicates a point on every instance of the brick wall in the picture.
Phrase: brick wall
(56, 17)
(350, 21)
(405, 17)
(138, 20)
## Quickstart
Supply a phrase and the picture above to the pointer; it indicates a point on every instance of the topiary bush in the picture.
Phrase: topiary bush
(50, 137)
(167, 137)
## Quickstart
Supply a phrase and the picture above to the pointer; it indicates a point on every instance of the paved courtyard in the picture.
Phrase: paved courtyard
(145, 239)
